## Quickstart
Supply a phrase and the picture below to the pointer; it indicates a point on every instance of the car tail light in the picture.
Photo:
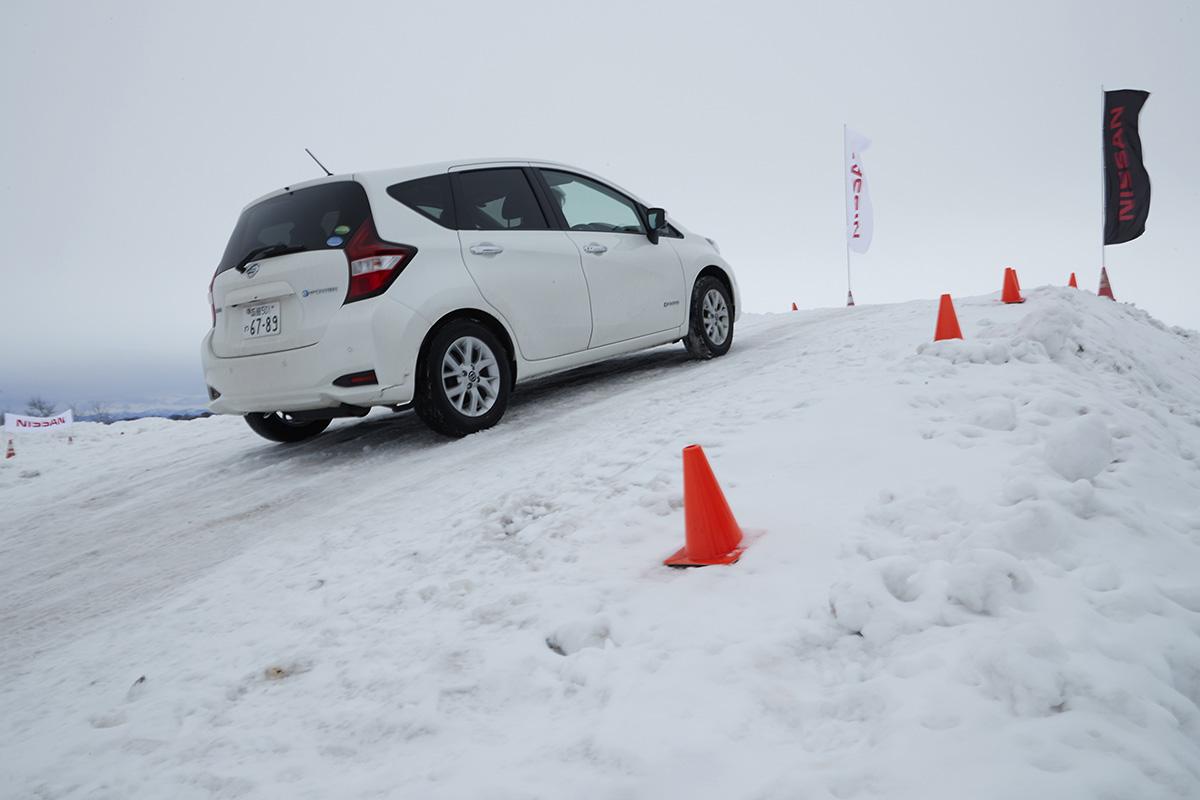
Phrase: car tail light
(374, 263)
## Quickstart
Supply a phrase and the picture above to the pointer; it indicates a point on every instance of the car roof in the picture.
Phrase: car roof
(387, 177)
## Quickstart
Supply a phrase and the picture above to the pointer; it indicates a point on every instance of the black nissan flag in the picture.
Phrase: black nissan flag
(1126, 182)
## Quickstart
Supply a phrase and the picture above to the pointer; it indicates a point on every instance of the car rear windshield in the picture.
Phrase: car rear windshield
(317, 218)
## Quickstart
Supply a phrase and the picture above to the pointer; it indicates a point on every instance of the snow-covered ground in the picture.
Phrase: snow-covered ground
(974, 572)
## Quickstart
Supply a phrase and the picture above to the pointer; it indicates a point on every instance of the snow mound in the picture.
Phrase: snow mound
(1080, 449)
(972, 573)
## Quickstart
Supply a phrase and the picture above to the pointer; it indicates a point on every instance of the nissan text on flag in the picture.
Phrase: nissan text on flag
(1126, 182)
(18, 423)
(442, 285)
(860, 215)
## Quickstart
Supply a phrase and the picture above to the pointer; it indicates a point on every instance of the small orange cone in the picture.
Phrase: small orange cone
(947, 321)
(1012, 289)
(849, 299)
(11, 451)
(712, 534)
(1072, 283)
(794, 307)
(1105, 286)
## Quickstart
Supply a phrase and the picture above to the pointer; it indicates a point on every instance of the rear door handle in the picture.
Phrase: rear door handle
(595, 248)
(486, 249)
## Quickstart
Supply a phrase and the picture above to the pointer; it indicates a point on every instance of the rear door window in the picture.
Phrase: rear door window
(316, 218)
(430, 197)
(497, 200)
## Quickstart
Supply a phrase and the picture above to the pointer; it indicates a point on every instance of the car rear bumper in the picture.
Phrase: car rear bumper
(379, 334)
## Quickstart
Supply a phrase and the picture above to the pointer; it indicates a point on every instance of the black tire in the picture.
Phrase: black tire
(433, 401)
(278, 428)
(702, 340)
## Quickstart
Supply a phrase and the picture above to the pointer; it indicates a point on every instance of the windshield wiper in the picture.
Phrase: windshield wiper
(267, 251)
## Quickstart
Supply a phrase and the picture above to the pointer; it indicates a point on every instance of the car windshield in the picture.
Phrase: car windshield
(317, 218)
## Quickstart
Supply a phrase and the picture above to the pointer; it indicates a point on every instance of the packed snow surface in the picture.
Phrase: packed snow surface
(973, 572)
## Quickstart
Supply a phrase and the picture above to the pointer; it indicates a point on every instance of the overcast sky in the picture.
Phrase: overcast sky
(134, 132)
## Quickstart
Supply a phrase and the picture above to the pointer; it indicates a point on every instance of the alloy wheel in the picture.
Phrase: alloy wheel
(715, 316)
(470, 376)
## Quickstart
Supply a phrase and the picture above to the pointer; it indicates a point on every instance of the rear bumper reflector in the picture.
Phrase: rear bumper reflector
(357, 379)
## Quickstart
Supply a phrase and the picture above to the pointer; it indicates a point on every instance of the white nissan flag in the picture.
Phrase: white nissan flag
(860, 218)
(16, 423)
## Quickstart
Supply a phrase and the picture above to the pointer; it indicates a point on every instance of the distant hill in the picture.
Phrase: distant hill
(128, 414)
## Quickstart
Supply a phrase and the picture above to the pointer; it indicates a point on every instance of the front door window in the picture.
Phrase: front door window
(591, 206)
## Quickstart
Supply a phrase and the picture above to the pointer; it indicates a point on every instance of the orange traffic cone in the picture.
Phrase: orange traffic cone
(947, 321)
(11, 451)
(1072, 282)
(1012, 289)
(1105, 286)
(849, 299)
(794, 307)
(712, 534)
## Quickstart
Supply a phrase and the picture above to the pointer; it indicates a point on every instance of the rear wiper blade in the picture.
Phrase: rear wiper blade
(266, 251)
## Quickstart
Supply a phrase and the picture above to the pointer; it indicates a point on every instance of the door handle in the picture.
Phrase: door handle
(595, 248)
(486, 249)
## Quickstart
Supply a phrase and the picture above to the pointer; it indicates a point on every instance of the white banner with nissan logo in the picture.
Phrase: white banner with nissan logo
(16, 423)
(860, 216)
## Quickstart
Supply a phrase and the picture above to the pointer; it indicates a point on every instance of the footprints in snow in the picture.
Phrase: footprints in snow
(516, 514)
(118, 716)
(899, 594)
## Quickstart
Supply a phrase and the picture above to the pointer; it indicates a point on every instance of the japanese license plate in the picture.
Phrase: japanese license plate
(260, 319)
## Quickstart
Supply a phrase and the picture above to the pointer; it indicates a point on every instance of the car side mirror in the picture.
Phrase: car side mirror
(656, 223)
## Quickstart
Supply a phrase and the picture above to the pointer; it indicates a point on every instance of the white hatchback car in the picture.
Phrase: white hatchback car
(441, 286)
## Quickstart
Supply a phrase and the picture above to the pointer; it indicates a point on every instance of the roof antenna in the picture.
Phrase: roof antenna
(319, 164)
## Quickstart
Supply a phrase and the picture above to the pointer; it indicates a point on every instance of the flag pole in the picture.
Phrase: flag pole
(1103, 176)
(846, 204)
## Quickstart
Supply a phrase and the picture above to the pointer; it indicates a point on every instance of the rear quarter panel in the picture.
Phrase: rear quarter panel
(436, 282)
